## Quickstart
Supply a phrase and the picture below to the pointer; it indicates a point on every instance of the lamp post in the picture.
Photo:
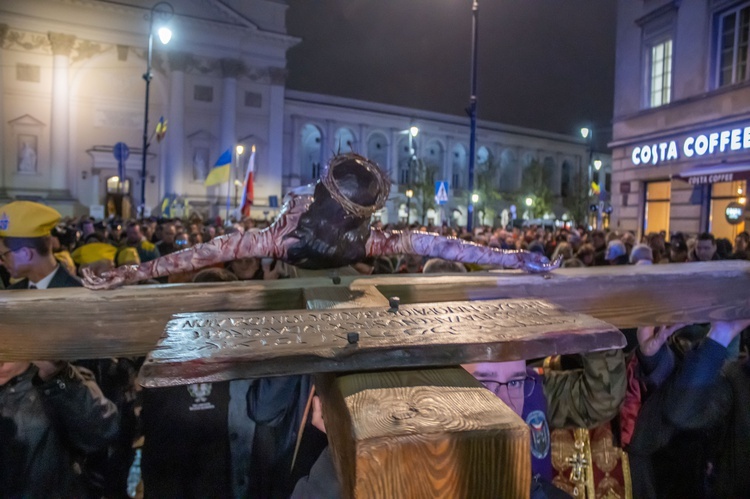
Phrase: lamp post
(409, 195)
(165, 11)
(474, 200)
(473, 107)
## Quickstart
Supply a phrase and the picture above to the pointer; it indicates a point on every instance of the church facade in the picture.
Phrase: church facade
(72, 86)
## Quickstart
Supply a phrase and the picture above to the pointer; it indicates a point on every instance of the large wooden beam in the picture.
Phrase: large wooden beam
(77, 323)
(424, 434)
(219, 346)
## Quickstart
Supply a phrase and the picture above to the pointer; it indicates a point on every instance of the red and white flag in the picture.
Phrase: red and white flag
(247, 191)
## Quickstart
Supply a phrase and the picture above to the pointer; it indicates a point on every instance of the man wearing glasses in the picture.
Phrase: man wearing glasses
(582, 397)
(26, 246)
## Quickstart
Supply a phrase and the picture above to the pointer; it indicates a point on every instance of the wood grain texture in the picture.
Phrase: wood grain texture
(219, 346)
(432, 433)
(74, 323)
(624, 296)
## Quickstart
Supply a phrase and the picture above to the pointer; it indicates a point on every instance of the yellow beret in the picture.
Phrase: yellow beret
(27, 219)
(128, 256)
(93, 252)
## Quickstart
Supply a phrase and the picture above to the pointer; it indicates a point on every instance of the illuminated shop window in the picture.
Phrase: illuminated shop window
(724, 194)
(656, 214)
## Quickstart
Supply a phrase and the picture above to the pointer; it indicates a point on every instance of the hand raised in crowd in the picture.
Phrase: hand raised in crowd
(317, 415)
(723, 332)
(652, 338)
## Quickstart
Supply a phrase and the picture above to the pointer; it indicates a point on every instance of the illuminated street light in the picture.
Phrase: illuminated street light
(240, 149)
(409, 194)
(414, 131)
(597, 164)
(529, 201)
(475, 198)
(585, 132)
(164, 11)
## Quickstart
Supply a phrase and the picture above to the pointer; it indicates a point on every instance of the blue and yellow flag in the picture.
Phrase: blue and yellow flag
(221, 171)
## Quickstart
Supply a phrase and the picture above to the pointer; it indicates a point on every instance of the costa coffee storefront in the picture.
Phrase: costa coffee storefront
(691, 182)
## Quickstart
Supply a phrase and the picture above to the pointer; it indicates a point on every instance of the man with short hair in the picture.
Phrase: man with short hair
(705, 248)
(167, 244)
(548, 399)
(147, 251)
(26, 246)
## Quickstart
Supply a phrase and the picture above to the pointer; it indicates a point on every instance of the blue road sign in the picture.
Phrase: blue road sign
(121, 152)
(441, 192)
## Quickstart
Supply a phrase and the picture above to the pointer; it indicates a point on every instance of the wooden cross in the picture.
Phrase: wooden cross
(424, 431)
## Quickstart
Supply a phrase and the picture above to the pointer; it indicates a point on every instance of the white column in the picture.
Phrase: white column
(294, 169)
(175, 137)
(62, 45)
(230, 69)
(272, 177)
(393, 165)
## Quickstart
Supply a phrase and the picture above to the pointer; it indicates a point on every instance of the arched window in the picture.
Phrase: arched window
(377, 149)
(434, 155)
(549, 174)
(458, 162)
(343, 141)
(566, 180)
(508, 177)
(311, 157)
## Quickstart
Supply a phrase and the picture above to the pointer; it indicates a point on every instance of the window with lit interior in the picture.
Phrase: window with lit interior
(660, 74)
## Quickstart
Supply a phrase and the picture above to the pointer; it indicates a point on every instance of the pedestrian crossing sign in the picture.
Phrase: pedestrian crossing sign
(441, 192)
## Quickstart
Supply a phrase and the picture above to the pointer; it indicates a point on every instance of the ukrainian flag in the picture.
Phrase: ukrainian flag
(221, 171)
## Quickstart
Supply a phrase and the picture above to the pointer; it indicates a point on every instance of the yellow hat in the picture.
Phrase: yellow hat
(93, 252)
(27, 219)
(128, 256)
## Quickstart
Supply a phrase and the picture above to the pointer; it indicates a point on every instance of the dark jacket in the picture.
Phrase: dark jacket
(670, 450)
(45, 427)
(704, 397)
(61, 279)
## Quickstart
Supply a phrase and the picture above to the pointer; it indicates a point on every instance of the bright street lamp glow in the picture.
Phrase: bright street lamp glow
(240, 149)
(165, 34)
(414, 131)
(597, 164)
(475, 198)
(742, 200)
(585, 132)
(409, 193)
(529, 201)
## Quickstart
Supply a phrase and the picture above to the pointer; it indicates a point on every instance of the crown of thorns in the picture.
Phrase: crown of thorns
(382, 180)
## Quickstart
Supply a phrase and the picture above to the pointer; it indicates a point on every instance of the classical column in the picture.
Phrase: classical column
(62, 45)
(393, 165)
(3, 33)
(176, 133)
(328, 139)
(272, 177)
(294, 169)
(230, 70)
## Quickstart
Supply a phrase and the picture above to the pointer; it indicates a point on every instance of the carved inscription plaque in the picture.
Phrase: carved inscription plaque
(230, 345)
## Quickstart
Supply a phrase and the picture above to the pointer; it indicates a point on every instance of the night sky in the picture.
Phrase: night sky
(546, 64)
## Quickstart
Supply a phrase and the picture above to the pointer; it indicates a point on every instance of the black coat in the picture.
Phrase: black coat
(61, 279)
(45, 427)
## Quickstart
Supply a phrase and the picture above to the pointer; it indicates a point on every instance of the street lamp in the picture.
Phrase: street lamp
(165, 11)
(237, 183)
(529, 202)
(473, 106)
(409, 195)
(475, 200)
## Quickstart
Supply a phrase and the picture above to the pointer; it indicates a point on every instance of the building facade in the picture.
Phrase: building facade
(681, 132)
(72, 86)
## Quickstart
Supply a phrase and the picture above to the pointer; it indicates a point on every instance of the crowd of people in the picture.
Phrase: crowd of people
(678, 401)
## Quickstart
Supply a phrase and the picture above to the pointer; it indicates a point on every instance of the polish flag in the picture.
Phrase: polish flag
(247, 191)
